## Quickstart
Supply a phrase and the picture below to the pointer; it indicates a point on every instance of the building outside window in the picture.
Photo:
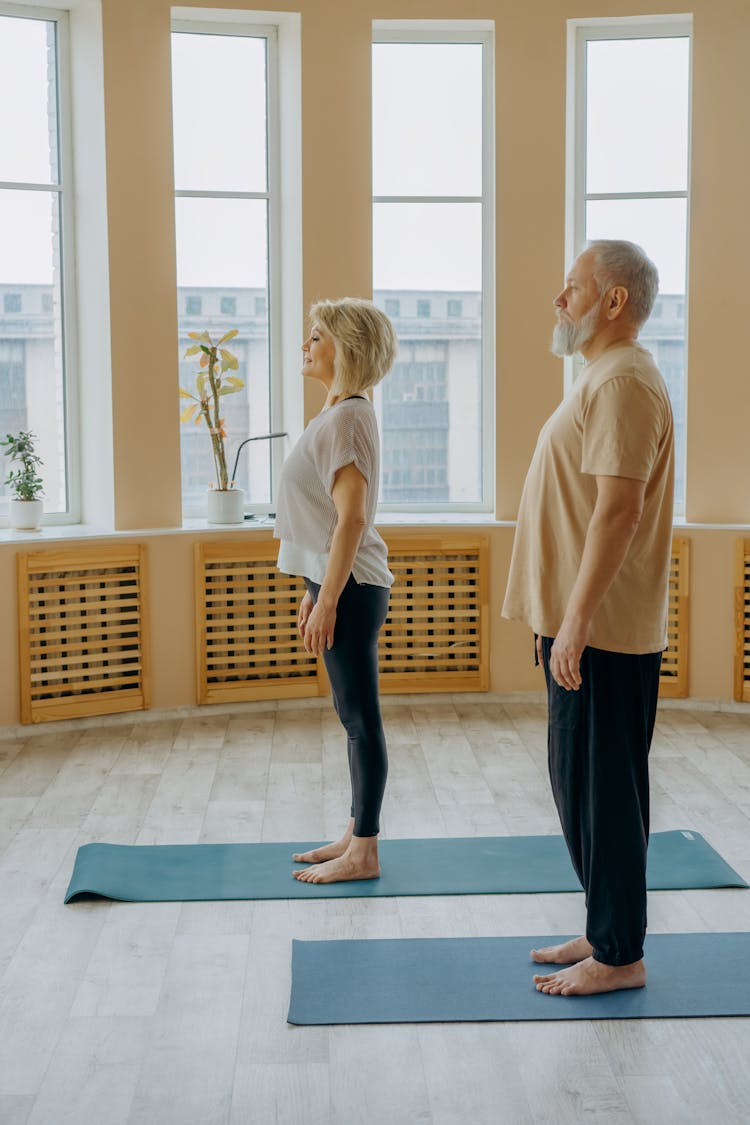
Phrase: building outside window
(12, 387)
(36, 285)
(631, 162)
(433, 261)
(225, 234)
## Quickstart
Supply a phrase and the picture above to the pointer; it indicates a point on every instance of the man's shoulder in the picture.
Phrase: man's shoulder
(631, 361)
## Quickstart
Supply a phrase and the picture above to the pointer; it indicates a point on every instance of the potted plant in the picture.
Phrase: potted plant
(25, 509)
(214, 380)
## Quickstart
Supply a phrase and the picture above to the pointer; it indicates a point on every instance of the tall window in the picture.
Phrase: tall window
(35, 235)
(223, 90)
(433, 262)
(632, 141)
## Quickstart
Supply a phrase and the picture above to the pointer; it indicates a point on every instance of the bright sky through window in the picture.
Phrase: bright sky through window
(434, 149)
(220, 146)
(639, 144)
(25, 157)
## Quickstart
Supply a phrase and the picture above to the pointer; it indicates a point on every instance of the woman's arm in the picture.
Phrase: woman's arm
(304, 611)
(349, 495)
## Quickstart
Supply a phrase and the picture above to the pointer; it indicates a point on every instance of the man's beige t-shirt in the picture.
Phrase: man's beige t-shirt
(616, 421)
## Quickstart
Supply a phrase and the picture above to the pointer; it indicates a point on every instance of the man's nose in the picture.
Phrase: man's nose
(559, 301)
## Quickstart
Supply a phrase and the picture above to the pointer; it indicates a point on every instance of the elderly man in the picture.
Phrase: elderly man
(589, 575)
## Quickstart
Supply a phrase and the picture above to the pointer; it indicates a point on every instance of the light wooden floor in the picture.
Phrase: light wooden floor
(172, 1013)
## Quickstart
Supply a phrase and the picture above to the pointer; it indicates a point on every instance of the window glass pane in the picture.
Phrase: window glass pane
(219, 112)
(32, 395)
(637, 142)
(659, 226)
(29, 149)
(427, 246)
(427, 119)
(222, 244)
(222, 241)
(428, 266)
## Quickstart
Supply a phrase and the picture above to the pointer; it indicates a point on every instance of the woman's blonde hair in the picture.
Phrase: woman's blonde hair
(364, 340)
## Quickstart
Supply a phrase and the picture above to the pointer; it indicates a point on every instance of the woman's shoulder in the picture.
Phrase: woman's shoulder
(356, 403)
(347, 412)
(348, 423)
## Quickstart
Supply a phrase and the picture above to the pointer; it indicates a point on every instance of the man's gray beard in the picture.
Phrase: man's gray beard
(567, 338)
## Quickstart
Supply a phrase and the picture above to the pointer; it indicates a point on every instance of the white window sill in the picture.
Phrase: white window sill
(60, 533)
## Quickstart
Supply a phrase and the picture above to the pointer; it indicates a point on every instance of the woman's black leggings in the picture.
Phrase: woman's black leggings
(352, 666)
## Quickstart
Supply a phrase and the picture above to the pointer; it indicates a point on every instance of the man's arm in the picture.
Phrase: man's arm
(616, 515)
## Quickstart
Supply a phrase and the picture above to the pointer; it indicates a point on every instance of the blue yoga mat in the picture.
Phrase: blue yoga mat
(442, 866)
(443, 980)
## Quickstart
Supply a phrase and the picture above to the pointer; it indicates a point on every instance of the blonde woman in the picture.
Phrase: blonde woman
(328, 495)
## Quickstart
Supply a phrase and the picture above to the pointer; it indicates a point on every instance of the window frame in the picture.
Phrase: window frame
(477, 32)
(204, 24)
(64, 187)
(580, 33)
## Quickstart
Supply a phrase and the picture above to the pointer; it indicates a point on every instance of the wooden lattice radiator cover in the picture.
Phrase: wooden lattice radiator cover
(435, 637)
(673, 680)
(742, 621)
(82, 624)
(247, 644)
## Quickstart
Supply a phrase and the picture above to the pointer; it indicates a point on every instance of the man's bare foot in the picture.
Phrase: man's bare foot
(328, 851)
(589, 977)
(359, 861)
(565, 954)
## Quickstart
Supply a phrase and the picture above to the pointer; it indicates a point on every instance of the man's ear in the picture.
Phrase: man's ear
(616, 300)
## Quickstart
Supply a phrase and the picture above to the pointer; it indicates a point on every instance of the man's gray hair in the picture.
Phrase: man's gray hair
(624, 263)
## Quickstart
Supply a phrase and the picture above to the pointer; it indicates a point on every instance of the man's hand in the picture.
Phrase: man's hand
(565, 655)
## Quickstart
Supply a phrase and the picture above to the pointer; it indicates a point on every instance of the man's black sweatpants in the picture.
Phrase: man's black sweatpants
(598, 742)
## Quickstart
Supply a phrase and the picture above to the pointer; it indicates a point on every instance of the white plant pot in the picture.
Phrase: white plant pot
(227, 506)
(25, 515)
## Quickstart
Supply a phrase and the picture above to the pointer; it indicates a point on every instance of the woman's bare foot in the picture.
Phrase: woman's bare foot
(328, 851)
(589, 977)
(359, 861)
(564, 954)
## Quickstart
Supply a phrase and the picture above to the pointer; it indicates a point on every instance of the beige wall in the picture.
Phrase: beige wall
(530, 120)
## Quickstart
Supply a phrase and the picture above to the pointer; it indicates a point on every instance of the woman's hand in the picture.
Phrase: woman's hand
(317, 631)
(305, 609)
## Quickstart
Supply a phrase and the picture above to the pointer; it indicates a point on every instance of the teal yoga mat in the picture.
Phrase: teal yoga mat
(425, 980)
(442, 866)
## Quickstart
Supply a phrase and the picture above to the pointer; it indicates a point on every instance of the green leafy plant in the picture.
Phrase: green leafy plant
(25, 481)
(214, 379)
